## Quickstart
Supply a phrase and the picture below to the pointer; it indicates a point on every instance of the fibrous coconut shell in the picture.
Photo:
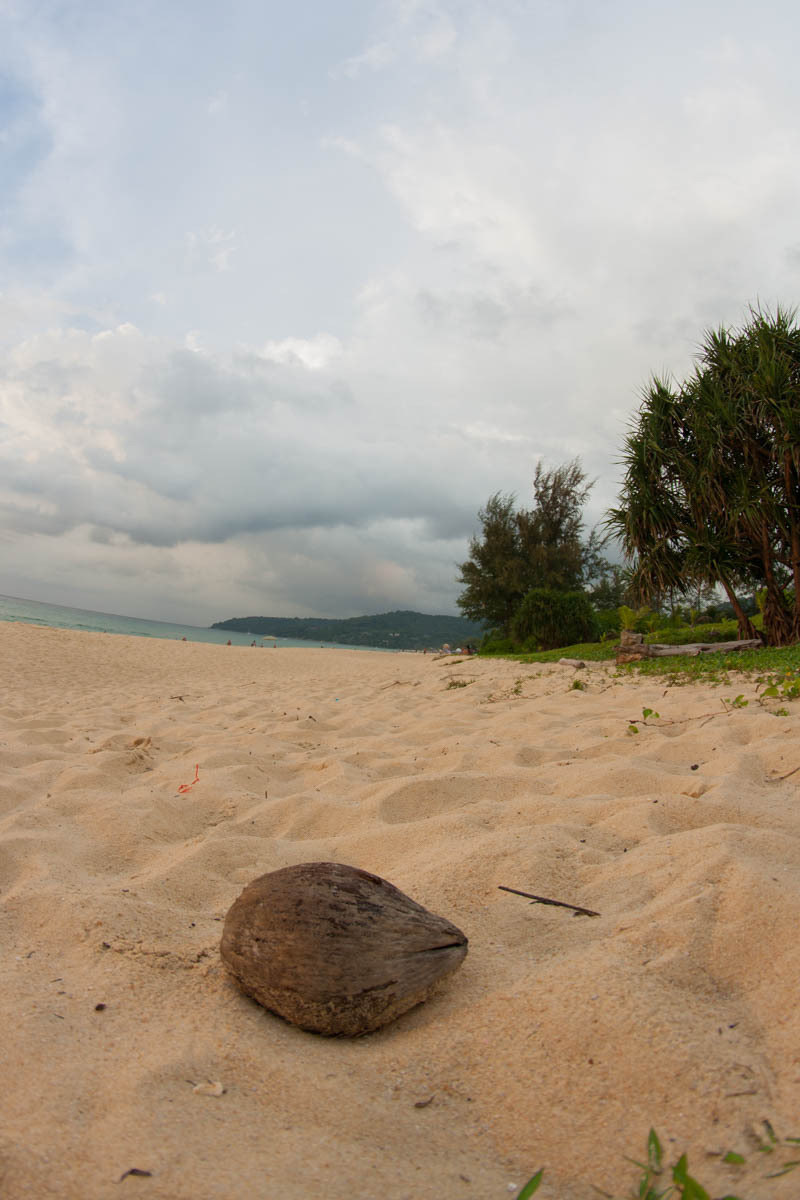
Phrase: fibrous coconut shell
(335, 949)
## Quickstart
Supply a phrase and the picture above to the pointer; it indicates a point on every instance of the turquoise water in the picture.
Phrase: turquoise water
(33, 612)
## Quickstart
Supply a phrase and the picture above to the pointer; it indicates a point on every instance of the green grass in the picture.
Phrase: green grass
(715, 666)
(659, 1181)
(717, 631)
(778, 664)
(712, 666)
(589, 651)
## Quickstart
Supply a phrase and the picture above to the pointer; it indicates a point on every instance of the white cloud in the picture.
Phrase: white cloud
(313, 353)
(241, 372)
(374, 58)
(346, 145)
(438, 41)
(217, 104)
(482, 432)
(212, 247)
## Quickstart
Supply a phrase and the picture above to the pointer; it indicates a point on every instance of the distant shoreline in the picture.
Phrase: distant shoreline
(399, 630)
(59, 616)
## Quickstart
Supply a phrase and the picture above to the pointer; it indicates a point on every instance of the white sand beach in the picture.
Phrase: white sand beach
(557, 1044)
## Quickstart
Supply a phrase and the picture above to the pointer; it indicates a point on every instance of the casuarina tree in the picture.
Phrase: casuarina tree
(517, 550)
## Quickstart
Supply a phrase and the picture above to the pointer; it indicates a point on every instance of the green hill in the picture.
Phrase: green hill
(394, 630)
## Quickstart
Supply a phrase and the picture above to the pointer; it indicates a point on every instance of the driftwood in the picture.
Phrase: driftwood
(576, 909)
(335, 949)
(657, 650)
(633, 648)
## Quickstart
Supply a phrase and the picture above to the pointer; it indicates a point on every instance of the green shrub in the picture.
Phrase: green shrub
(547, 619)
(608, 622)
(640, 620)
(722, 631)
(494, 642)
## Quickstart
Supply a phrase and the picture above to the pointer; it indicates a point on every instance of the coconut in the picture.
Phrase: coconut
(335, 949)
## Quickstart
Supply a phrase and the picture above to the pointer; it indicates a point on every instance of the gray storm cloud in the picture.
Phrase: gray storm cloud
(286, 300)
(191, 449)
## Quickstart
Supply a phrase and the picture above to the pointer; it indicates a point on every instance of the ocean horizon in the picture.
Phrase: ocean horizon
(60, 616)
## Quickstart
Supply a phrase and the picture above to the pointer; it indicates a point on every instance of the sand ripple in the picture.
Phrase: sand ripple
(560, 1041)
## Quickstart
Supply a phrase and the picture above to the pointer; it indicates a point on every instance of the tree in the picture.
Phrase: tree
(491, 575)
(711, 492)
(547, 619)
(530, 548)
(606, 583)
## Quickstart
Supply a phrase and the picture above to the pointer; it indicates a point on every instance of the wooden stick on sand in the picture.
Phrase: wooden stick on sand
(579, 912)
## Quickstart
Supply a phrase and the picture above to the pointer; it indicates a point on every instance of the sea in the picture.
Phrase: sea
(34, 612)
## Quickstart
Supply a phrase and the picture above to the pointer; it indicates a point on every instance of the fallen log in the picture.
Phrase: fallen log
(658, 650)
(633, 648)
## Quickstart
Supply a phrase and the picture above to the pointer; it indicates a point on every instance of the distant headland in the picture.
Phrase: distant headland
(392, 631)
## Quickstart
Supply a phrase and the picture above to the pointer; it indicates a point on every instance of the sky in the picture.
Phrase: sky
(287, 292)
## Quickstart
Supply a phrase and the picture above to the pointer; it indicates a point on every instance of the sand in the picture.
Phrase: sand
(557, 1044)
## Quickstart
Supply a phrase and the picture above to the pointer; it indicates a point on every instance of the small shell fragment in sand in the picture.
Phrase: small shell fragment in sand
(208, 1089)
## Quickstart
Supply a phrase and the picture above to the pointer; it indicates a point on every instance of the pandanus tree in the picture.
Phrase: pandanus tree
(711, 490)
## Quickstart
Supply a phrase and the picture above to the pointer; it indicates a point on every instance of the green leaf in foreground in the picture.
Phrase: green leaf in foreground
(532, 1185)
(785, 1169)
(685, 1186)
(654, 1151)
(692, 1190)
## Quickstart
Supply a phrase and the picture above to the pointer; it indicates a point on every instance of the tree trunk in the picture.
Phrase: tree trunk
(777, 618)
(790, 483)
(778, 621)
(746, 628)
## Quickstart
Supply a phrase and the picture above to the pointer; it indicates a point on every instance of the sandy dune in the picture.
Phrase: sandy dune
(560, 1041)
